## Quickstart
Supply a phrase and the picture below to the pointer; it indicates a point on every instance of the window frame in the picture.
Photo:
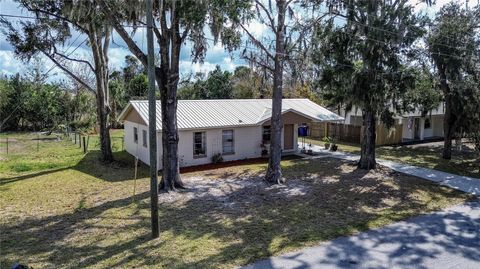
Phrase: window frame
(269, 128)
(203, 144)
(135, 135)
(145, 138)
(233, 142)
(425, 123)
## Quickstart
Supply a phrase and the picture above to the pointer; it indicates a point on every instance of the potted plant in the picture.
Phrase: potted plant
(333, 146)
(326, 140)
(217, 158)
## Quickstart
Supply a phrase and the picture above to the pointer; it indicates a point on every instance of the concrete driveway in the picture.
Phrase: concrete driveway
(446, 239)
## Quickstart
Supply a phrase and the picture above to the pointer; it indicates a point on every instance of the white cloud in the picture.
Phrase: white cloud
(228, 64)
(256, 28)
(116, 57)
(187, 67)
(9, 65)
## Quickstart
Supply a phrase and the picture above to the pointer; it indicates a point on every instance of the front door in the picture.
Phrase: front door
(416, 128)
(288, 136)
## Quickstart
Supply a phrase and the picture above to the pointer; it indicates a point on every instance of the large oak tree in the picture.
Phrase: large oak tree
(176, 23)
(362, 54)
(53, 27)
(454, 46)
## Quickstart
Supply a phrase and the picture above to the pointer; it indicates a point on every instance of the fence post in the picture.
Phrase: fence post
(75, 134)
(79, 141)
(7, 144)
(38, 142)
(84, 146)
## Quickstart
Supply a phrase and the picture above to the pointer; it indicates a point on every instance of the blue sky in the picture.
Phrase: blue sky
(216, 55)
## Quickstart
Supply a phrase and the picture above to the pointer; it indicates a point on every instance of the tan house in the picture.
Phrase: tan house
(234, 128)
(413, 125)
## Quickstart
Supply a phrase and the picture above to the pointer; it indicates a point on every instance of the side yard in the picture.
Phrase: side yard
(69, 210)
(428, 155)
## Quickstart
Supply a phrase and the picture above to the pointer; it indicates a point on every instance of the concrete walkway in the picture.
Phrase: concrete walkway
(463, 183)
(446, 239)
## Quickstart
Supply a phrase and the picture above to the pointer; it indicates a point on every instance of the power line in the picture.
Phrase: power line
(319, 12)
(54, 65)
(283, 54)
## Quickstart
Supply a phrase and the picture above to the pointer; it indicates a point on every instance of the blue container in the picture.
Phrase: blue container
(303, 131)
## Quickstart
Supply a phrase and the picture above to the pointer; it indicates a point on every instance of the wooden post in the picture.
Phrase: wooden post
(38, 142)
(152, 123)
(84, 146)
(75, 134)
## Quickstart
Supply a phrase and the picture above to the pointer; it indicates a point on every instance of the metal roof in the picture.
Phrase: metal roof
(197, 114)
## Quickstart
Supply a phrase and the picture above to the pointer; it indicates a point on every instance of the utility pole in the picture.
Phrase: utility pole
(152, 123)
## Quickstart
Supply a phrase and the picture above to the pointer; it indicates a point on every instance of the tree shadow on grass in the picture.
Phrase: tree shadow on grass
(4, 181)
(412, 245)
(212, 225)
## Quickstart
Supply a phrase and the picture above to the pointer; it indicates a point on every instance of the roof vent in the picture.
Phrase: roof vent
(240, 121)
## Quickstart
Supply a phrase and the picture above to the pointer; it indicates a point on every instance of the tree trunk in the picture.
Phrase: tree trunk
(274, 171)
(101, 77)
(170, 62)
(448, 130)
(448, 119)
(367, 158)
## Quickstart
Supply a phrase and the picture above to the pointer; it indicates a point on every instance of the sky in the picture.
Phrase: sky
(216, 55)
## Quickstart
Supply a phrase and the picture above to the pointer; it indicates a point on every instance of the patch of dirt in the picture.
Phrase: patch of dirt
(329, 181)
(248, 189)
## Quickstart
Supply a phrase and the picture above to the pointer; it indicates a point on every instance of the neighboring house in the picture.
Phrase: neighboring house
(235, 128)
(415, 127)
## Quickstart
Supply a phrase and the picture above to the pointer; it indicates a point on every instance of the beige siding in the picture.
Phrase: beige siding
(137, 149)
(291, 118)
(247, 142)
(134, 117)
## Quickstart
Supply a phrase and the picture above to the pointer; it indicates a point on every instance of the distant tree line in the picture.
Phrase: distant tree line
(243, 83)
(28, 102)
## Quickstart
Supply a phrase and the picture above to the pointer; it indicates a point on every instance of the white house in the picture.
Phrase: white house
(414, 125)
(235, 128)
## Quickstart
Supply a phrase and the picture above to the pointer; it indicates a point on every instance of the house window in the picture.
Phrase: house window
(266, 134)
(199, 144)
(135, 134)
(427, 124)
(144, 136)
(227, 142)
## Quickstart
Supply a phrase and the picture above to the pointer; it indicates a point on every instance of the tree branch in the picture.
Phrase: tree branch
(257, 43)
(272, 22)
(70, 73)
(256, 62)
(37, 10)
(73, 59)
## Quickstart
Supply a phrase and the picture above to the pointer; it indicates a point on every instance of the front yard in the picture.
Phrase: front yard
(428, 155)
(78, 213)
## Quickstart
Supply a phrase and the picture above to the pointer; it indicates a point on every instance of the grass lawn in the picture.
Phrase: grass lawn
(430, 156)
(69, 210)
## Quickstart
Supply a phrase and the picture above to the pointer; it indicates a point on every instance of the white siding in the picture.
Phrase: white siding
(247, 142)
(436, 127)
(136, 149)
